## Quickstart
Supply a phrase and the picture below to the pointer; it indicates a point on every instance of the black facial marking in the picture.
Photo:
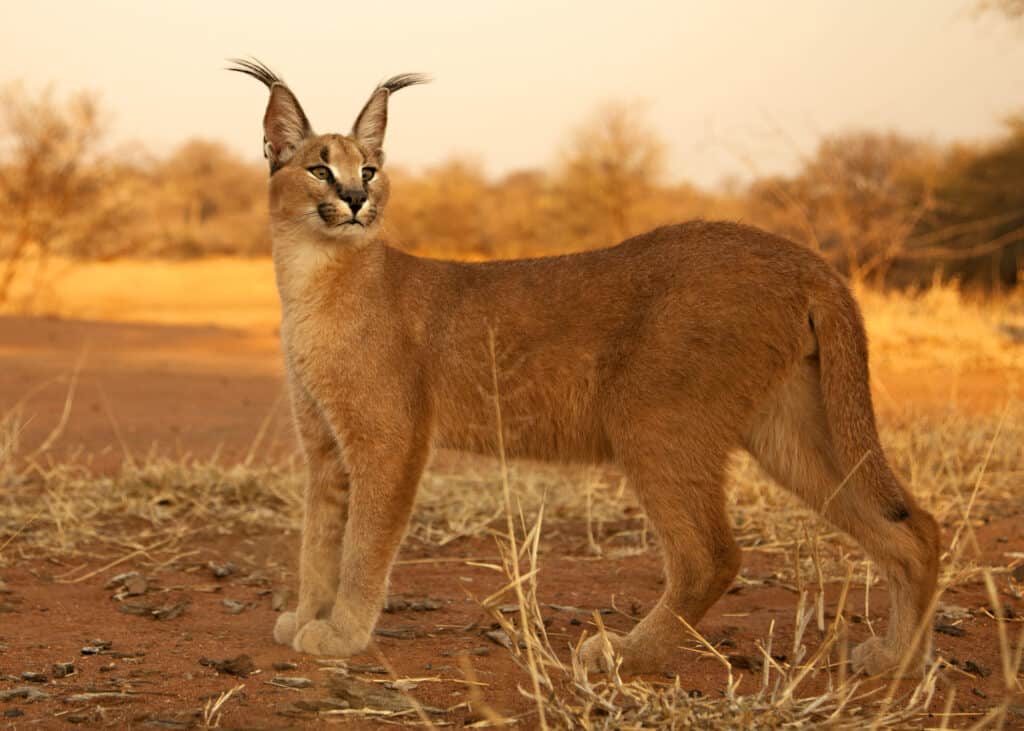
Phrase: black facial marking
(323, 154)
(899, 514)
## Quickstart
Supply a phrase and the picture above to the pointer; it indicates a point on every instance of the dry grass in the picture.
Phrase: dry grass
(967, 471)
(967, 468)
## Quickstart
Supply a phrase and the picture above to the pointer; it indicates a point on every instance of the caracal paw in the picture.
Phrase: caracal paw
(285, 628)
(876, 657)
(321, 637)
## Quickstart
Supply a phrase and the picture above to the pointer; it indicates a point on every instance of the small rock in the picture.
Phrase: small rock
(741, 662)
(360, 694)
(979, 693)
(13, 713)
(97, 696)
(234, 606)
(368, 669)
(287, 682)
(120, 579)
(135, 586)
(1018, 573)
(398, 633)
(241, 666)
(285, 666)
(950, 629)
(322, 704)
(975, 669)
(108, 667)
(23, 691)
(34, 677)
(170, 611)
(222, 571)
(63, 669)
(402, 603)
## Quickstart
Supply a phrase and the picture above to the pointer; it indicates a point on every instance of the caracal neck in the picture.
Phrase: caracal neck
(313, 271)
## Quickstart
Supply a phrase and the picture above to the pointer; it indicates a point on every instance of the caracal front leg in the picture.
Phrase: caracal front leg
(385, 464)
(324, 520)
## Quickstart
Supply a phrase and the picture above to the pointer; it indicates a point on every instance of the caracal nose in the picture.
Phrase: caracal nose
(354, 197)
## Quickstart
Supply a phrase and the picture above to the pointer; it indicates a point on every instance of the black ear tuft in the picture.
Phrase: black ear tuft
(372, 121)
(285, 124)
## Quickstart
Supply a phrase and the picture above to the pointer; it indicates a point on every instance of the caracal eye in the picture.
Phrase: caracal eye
(368, 173)
(320, 172)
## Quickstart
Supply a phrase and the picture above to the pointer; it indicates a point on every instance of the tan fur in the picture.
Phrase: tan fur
(662, 355)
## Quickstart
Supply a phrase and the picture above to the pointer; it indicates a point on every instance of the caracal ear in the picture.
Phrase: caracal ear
(284, 125)
(372, 122)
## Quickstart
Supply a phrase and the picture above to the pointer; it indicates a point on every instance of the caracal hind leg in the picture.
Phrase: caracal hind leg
(683, 497)
(323, 523)
(790, 439)
(385, 473)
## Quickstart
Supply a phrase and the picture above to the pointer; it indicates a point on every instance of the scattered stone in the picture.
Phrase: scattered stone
(222, 571)
(128, 584)
(1018, 573)
(368, 669)
(7, 609)
(170, 611)
(950, 629)
(741, 662)
(108, 667)
(360, 694)
(112, 695)
(13, 713)
(280, 599)
(500, 637)
(975, 669)
(63, 669)
(508, 608)
(120, 579)
(287, 682)
(575, 622)
(168, 723)
(34, 677)
(23, 691)
(281, 666)
(241, 666)
(481, 651)
(322, 704)
(135, 586)
(979, 693)
(399, 633)
(96, 647)
(406, 603)
(234, 606)
(951, 612)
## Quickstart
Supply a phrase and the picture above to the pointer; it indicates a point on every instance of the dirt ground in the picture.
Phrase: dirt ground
(199, 391)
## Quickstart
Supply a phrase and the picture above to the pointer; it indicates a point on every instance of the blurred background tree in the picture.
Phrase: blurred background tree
(611, 165)
(886, 209)
(58, 193)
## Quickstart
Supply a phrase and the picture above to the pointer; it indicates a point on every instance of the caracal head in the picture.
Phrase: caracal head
(329, 187)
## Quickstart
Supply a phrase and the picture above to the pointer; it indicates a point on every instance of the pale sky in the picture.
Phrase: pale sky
(732, 87)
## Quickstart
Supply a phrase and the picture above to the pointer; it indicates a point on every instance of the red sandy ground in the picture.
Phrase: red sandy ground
(191, 391)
